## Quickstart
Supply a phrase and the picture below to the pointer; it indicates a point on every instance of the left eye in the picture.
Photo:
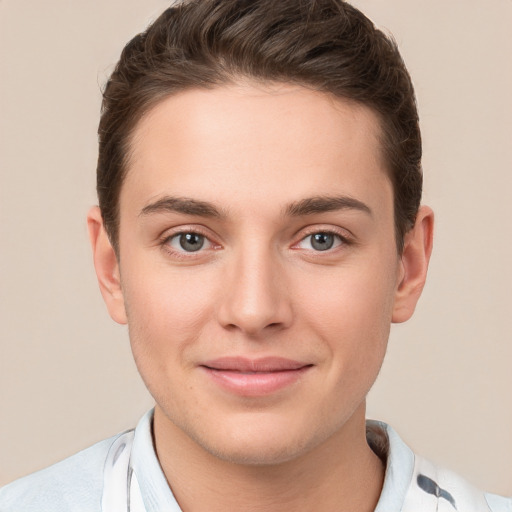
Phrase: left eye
(188, 242)
(321, 241)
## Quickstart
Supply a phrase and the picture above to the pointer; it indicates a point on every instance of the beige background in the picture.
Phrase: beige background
(66, 374)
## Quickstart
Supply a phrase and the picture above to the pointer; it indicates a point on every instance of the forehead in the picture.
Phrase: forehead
(238, 141)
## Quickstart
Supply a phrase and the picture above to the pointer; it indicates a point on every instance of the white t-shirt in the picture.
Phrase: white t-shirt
(123, 474)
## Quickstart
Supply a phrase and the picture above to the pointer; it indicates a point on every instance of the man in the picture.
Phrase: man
(259, 229)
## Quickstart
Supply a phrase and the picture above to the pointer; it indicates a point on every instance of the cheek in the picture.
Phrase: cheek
(355, 298)
(351, 310)
(166, 317)
(167, 309)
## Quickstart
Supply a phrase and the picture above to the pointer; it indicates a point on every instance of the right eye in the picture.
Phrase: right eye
(188, 242)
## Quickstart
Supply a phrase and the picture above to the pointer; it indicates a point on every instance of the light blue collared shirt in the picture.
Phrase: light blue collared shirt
(123, 474)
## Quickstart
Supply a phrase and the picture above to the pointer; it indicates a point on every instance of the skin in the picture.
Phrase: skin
(251, 157)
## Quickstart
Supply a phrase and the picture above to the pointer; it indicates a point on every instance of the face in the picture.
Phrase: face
(258, 266)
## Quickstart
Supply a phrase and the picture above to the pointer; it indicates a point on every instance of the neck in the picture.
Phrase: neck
(341, 474)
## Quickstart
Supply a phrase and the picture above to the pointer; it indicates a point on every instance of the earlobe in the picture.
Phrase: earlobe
(106, 265)
(414, 265)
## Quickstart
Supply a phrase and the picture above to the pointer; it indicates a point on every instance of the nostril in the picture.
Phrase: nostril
(235, 327)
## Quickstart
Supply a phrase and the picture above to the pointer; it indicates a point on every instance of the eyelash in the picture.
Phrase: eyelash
(342, 238)
(165, 242)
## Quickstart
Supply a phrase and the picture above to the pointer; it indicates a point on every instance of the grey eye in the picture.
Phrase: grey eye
(322, 241)
(191, 242)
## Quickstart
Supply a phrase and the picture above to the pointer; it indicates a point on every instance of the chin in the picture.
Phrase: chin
(260, 443)
(260, 453)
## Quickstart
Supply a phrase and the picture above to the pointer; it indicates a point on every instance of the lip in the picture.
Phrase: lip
(254, 377)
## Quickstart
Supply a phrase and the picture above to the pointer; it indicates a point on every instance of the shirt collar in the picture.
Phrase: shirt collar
(399, 465)
(155, 490)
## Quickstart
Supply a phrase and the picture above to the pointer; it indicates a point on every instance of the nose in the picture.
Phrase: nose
(255, 300)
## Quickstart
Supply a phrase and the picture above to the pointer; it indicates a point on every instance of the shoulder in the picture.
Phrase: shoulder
(498, 503)
(72, 485)
(448, 490)
(413, 483)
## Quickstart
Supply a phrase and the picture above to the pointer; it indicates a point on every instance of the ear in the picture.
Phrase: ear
(107, 266)
(414, 265)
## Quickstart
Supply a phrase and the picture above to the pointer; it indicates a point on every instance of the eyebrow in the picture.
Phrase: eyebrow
(322, 204)
(304, 207)
(183, 205)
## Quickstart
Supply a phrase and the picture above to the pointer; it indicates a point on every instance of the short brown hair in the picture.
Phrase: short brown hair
(327, 45)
